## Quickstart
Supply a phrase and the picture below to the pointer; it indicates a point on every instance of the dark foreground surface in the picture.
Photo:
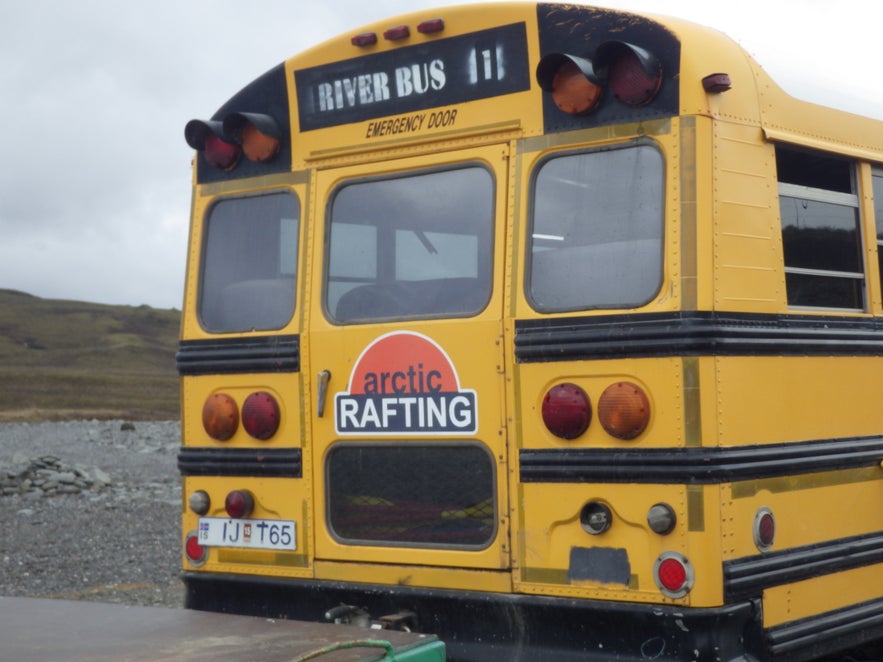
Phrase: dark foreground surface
(91, 511)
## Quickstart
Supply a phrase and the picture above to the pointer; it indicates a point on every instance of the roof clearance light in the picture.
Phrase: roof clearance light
(195, 552)
(431, 26)
(633, 73)
(571, 80)
(674, 574)
(398, 32)
(208, 137)
(624, 410)
(258, 134)
(764, 529)
(566, 411)
(239, 504)
(220, 416)
(260, 415)
(364, 39)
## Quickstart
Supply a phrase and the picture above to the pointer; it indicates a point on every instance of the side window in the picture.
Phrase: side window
(821, 231)
(597, 228)
(415, 246)
(878, 215)
(250, 248)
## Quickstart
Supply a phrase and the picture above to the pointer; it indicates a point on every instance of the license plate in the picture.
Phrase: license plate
(249, 533)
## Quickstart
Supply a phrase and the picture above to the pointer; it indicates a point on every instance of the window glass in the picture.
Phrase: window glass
(596, 238)
(249, 263)
(411, 247)
(878, 215)
(414, 495)
(821, 230)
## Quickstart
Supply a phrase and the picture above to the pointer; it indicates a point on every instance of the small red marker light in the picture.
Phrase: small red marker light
(716, 83)
(764, 529)
(239, 504)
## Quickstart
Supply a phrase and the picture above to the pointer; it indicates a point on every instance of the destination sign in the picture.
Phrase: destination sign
(402, 82)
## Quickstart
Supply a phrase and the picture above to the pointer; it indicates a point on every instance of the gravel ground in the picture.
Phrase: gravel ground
(111, 537)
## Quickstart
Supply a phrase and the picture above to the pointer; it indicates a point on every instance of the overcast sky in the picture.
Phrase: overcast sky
(95, 186)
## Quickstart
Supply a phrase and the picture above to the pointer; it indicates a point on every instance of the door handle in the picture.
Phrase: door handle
(322, 380)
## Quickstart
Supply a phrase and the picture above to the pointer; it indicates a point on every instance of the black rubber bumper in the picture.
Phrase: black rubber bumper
(489, 626)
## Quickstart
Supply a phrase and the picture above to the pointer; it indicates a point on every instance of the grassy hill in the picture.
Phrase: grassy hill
(63, 360)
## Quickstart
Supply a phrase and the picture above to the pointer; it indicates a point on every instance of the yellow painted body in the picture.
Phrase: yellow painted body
(722, 252)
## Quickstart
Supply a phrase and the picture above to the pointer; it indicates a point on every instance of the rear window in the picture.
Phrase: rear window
(249, 263)
(597, 227)
(415, 495)
(415, 246)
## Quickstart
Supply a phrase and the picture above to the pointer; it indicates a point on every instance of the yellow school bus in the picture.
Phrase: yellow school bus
(552, 330)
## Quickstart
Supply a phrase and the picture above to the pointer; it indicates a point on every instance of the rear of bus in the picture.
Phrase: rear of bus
(448, 309)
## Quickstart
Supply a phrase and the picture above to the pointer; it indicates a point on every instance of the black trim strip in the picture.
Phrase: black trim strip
(239, 355)
(697, 466)
(829, 632)
(272, 462)
(748, 577)
(695, 334)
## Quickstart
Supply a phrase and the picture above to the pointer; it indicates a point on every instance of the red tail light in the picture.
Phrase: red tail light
(566, 410)
(239, 504)
(260, 415)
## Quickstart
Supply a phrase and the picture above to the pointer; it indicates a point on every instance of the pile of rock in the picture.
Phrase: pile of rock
(49, 476)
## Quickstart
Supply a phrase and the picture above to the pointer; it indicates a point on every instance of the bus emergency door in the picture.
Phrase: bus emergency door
(408, 421)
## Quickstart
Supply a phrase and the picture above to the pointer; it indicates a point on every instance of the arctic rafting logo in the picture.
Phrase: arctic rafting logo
(404, 383)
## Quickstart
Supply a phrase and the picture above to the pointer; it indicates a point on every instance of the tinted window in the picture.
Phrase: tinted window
(249, 263)
(596, 238)
(411, 247)
(821, 232)
(415, 495)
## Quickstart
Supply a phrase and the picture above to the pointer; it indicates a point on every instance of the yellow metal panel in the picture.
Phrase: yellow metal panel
(415, 575)
(810, 597)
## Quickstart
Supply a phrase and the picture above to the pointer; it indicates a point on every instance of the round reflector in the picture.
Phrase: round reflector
(220, 416)
(634, 76)
(624, 410)
(566, 410)
(195, 552)
(764, 529)
(220, 154)
(673, 574)
(260, 415)
(239, 503)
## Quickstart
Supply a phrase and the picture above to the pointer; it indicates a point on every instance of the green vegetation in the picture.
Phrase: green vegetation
(63, 360)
